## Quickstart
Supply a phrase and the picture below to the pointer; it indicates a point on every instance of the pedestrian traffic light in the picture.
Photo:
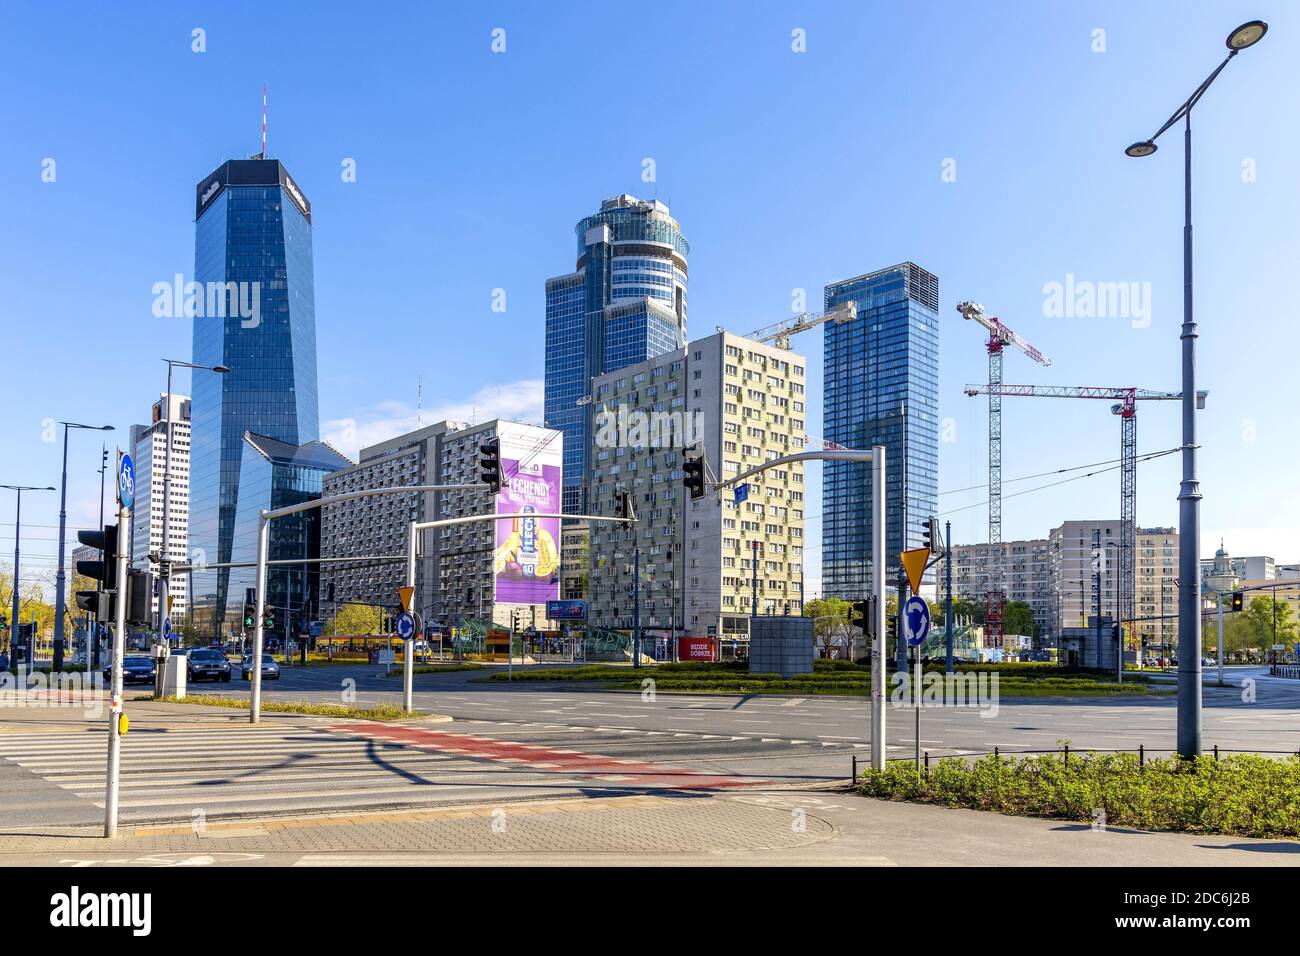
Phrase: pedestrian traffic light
(693, 475)
(1238, 600)
(1114, 633)
(489, 462)
(626, 509)
(893, 627)
(100, 601)
(250, 617)
(268, 619)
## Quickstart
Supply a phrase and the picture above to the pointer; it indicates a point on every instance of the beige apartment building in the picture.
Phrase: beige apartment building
(740, 403)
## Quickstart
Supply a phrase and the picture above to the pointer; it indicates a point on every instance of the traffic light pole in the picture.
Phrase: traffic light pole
(115, 686)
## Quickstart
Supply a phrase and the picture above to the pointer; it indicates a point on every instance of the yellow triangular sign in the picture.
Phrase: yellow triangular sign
(914, 565)
(405, 594)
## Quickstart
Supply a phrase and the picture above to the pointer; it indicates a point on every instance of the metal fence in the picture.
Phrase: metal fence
(1285, 670)
(1065, 752)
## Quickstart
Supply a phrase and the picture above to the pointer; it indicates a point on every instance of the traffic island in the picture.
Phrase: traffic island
(378, 712)
(1238, 794)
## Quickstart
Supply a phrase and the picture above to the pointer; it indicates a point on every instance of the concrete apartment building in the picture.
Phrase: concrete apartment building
(454, 575)
(1055, 577)
(1027, 576)
(743, 403)
(149, 453)
(379, 525)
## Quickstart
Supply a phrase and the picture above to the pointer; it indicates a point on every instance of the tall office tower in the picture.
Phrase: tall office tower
(149, 453)
(881, 388)
(624, 303)
(742, 403)
(255, 314)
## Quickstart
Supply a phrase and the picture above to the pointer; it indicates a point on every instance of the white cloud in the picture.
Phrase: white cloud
(517, 401)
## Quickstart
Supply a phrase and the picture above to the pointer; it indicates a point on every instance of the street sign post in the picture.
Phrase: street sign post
(915, 621)
(742, 493)
(914, 562)
(125, 481)
(406, 626)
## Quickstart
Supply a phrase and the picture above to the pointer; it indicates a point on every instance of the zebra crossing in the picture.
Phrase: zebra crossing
(238, 769)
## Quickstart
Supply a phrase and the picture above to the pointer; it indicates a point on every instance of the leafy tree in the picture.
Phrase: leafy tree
(1018, 618)
(353, 619)
(1263, 613)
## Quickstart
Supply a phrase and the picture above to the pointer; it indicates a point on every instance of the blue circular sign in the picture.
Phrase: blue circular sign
(406, 626)
(916, 620)
(126, 482)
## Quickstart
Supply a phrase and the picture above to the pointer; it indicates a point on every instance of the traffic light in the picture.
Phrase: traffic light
(863, 611)
(268, 619)
(693, 476)
(99, 602)
(626, 509)
(1238, 600)
(893, 628)
(489, 462)
(931, 538)
(1114, 633)
(139, 594)
(250, 617)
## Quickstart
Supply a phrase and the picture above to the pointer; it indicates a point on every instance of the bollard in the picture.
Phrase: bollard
(1216, 753)
(855, 768)
(1142, 757)
(1067, 756)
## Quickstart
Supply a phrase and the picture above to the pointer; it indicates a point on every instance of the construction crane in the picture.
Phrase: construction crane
(779, 332)
(999, 337)
(1126, 408)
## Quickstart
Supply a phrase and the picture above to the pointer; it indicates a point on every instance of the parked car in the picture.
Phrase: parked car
(204, 663)
(136, 667)
(270, 669)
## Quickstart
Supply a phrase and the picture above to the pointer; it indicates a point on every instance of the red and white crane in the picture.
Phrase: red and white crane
(1126, 398)
(1000, 336)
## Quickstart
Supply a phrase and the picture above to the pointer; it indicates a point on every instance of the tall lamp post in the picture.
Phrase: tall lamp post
(1189, 492)
(164, 563)
(18, 533)
(61, 576)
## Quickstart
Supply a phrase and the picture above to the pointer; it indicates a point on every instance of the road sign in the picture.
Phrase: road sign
(914, 564)
(167, 629)
(404, 595)
(742, 493)
(125, 481)
(406, 625)
(916, 620)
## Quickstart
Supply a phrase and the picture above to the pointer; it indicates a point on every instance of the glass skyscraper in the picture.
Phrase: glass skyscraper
(881, 388)
(624, 303)
(256, 314)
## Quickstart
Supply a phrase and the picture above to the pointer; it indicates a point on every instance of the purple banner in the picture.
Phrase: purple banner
(527, 560)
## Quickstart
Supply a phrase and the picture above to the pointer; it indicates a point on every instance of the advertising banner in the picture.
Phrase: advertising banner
(527, 559)
(695, 648)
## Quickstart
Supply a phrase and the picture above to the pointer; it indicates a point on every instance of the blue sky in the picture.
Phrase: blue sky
(786, 170)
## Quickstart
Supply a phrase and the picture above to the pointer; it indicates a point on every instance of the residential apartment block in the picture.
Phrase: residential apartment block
(149, 453)
(740, 403)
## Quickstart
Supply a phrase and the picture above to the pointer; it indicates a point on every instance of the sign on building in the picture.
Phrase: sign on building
(527, 559)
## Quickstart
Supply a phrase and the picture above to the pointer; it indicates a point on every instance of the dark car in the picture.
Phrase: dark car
(136, 667)
(204, 663)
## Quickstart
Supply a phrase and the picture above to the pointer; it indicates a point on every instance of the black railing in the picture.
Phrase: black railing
(1285, 670)
(1142, 751)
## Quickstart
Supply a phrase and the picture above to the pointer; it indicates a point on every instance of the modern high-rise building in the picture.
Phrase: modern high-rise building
(741, 403)
(149, 453)
(881, 388)
(255, 314)
(275, 474)
(625, 302)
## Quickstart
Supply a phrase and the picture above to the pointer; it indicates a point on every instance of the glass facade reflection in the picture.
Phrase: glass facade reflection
(885, 360)
(275, 474)
(625, 303)
(253, 239)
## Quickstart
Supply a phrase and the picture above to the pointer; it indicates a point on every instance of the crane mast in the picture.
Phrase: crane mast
(1126, 399)
(1000, 336)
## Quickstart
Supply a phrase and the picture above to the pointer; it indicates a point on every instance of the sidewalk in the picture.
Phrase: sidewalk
(776, 828)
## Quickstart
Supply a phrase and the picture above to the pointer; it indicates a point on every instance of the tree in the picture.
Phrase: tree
(833, 620)
(1018, 618)
(354, 619)
(1272, 622)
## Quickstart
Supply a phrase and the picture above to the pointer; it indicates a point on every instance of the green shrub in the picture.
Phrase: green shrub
(1244, 794)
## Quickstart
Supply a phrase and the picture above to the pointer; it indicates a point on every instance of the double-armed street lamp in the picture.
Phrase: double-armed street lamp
(1189, 494)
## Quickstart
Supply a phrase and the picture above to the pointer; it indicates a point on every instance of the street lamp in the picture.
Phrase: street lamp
(164, 565)
(60, 577)
(18, 531)
(1189, 492)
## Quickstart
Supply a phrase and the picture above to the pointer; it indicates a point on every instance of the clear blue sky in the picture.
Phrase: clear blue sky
(787, 170)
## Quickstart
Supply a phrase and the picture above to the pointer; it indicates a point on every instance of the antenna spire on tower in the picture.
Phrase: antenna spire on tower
(264, 120)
